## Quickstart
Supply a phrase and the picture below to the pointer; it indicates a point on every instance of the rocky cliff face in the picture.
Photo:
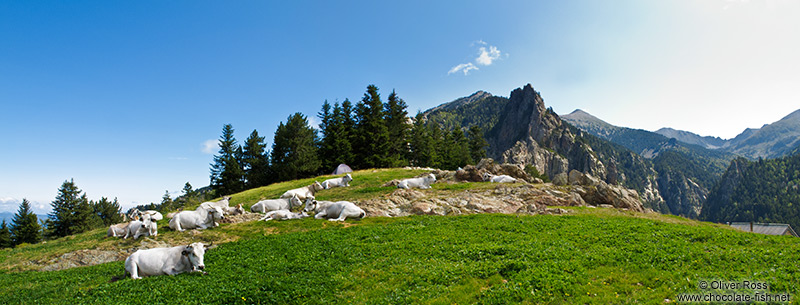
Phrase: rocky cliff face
(528, 133)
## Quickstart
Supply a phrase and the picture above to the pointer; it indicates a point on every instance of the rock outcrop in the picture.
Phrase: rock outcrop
(528, 133)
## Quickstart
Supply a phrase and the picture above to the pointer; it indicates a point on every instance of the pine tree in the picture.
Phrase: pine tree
(421, 143)
(335, 145)
(371, 136)
(69, 215)
(256, 161)
(294, 149)
(397, 125)
(227, 175)
(5, 236)
(477, 144)
(438, 151)
(107, 211)
(25, 226)
(166, 202)
(327, 136)
(342, 132)
(457, 149)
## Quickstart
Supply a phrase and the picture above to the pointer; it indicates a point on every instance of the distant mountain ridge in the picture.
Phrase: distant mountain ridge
(692, 138)
(773, 140)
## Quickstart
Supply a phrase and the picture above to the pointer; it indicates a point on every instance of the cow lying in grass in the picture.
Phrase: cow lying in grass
(423, 182)
(498, 178)
(303, 192)
(333, 211)
(265, 206)
(154, 215)
(118, 230)
(283, 215)
(201, 218)
(166, 261)
(144, 227)
(337, 182)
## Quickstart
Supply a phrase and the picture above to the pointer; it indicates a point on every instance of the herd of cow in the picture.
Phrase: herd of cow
(189, 258)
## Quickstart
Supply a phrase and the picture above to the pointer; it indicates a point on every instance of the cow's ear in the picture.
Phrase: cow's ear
(187, 250)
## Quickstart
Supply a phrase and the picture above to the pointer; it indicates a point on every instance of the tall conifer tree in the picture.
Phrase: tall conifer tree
(71, 212)
(256, 161)
(227, 175)
(421, 143)
(25, 226)
(5, 236)
(477, 144)
(371, 136)
(107, 211)
(294, 149)
(398, 128)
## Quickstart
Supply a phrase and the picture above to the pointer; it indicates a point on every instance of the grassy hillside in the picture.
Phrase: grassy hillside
(589, 256)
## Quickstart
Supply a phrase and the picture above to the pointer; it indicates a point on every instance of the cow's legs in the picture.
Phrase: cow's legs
(135, 271)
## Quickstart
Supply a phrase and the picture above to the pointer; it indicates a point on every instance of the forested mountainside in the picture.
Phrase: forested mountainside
(686, 172)
(763, 191)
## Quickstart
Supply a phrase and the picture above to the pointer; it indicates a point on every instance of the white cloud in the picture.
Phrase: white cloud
(9, 204)
(210, 146)
(463, 68)
(487, 55)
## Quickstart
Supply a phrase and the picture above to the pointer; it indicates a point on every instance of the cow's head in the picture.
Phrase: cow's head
(348, 178)
(316, 186)
(487, 176)
(431, 178)
(295, 201)
(311, 205)
(195, 252)
(216, 213)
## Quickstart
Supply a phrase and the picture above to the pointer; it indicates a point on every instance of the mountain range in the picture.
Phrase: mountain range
(773, 140)
(673, 171)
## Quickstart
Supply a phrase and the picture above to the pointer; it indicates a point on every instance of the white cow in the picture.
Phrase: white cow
(144, 227)
(283, 215)
(117, 230)
(337, 182)
(265, 206)
(197, 219)
(304, 192)
(423, 182)
(224, 203)
(498, 178)
(169, 261)
(238, 209)
(334, 211)
(154, 215)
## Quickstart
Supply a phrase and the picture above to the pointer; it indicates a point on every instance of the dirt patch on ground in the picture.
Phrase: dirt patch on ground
(82, 258)
(247, 216)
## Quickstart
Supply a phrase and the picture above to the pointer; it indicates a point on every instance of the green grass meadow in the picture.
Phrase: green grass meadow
(590, 256)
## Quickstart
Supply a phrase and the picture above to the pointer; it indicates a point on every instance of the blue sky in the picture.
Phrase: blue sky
(122, 96)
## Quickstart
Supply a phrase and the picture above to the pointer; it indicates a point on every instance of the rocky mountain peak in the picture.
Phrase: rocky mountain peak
(475, 97)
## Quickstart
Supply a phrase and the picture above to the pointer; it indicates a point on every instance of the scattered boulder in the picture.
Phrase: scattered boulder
(474, 173)
(561, 179)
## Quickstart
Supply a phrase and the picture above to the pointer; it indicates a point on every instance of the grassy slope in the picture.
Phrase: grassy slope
(591, 256)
